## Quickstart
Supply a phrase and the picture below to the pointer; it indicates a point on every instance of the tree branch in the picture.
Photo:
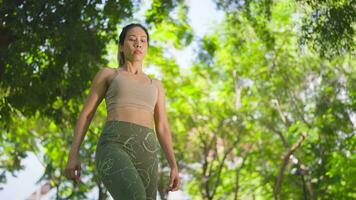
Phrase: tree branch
(278, 181)
(217, 182)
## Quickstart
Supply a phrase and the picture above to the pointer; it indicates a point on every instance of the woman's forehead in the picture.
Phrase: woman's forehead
(138, 35)
(136, 32)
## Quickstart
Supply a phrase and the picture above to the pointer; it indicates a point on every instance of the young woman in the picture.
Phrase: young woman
(126, 153)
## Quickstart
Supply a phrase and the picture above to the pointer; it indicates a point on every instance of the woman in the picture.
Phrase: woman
(126, 153)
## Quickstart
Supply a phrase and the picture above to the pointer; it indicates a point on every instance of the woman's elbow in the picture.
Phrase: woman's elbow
(87, 114)
(162, 130)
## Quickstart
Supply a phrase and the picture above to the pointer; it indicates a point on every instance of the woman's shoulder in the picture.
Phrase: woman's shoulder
(158, 83)
(105, 74)
(155, 80)
(106, 71)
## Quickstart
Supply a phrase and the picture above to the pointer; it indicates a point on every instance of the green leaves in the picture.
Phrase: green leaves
(328, 26)
(238, 115)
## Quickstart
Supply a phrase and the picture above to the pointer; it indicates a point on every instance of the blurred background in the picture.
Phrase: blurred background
(260, 95)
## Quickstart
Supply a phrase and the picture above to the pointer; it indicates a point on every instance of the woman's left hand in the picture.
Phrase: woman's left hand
(174, 181)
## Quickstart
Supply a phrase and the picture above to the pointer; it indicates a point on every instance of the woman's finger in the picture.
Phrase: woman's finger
(173, 184)
(78, 171)
(68, 173)
(176, 184)
(72, 174)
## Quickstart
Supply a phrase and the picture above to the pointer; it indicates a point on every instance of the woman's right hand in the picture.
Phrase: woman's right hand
(73, 168)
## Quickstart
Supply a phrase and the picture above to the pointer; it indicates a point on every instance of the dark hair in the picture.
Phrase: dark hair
(120, 55)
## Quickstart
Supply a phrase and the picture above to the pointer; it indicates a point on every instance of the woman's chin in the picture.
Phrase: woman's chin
(138, 58)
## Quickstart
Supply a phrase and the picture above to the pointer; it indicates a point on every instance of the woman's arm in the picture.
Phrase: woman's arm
(96, 95)
(164, 135)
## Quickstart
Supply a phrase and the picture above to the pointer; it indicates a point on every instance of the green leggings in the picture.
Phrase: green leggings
(126, 160)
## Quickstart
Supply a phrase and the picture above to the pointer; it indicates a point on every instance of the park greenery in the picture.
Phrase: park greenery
(267, 109)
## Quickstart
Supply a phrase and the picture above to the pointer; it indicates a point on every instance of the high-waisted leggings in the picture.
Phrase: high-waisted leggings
(126, 160)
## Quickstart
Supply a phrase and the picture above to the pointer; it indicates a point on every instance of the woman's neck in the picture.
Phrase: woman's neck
(135, 69)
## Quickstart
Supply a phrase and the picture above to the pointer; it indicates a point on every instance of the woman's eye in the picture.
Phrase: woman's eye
(132, 40)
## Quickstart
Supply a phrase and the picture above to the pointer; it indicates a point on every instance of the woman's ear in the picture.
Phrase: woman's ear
(120, 47)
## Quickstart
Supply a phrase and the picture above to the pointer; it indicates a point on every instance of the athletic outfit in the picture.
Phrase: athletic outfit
(126, 154)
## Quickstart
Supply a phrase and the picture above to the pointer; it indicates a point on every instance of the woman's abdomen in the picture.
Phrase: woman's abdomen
(133, 115)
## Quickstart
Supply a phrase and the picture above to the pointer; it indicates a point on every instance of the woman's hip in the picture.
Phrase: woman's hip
(129, 137)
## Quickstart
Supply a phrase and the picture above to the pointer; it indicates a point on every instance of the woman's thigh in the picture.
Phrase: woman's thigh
(118, 173)
(126, 159)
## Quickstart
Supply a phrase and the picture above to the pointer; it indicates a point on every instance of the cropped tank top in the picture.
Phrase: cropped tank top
(126, 92)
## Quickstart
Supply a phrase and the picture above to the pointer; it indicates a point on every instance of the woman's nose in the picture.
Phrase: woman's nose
(137, 44)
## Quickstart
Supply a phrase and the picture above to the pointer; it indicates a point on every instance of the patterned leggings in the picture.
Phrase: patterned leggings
(126, 160)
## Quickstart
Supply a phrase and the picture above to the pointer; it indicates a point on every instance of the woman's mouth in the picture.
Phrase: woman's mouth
(137, 52)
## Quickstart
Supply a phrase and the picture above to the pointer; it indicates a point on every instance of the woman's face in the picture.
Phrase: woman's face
(135, 44)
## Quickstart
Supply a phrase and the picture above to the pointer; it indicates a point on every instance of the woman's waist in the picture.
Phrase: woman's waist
(123, 130)
(128, 135)
(131, 114)
(130, 107)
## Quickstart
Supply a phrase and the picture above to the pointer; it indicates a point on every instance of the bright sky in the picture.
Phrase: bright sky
(20, 187)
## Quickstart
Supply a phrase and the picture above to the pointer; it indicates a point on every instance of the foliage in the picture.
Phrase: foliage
(259, 114)
(290, 109)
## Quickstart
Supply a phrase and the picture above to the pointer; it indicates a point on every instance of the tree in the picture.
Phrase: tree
(296, 105)
(50, 51)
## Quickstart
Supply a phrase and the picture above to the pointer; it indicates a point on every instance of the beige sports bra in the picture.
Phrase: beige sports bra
(125, 92)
